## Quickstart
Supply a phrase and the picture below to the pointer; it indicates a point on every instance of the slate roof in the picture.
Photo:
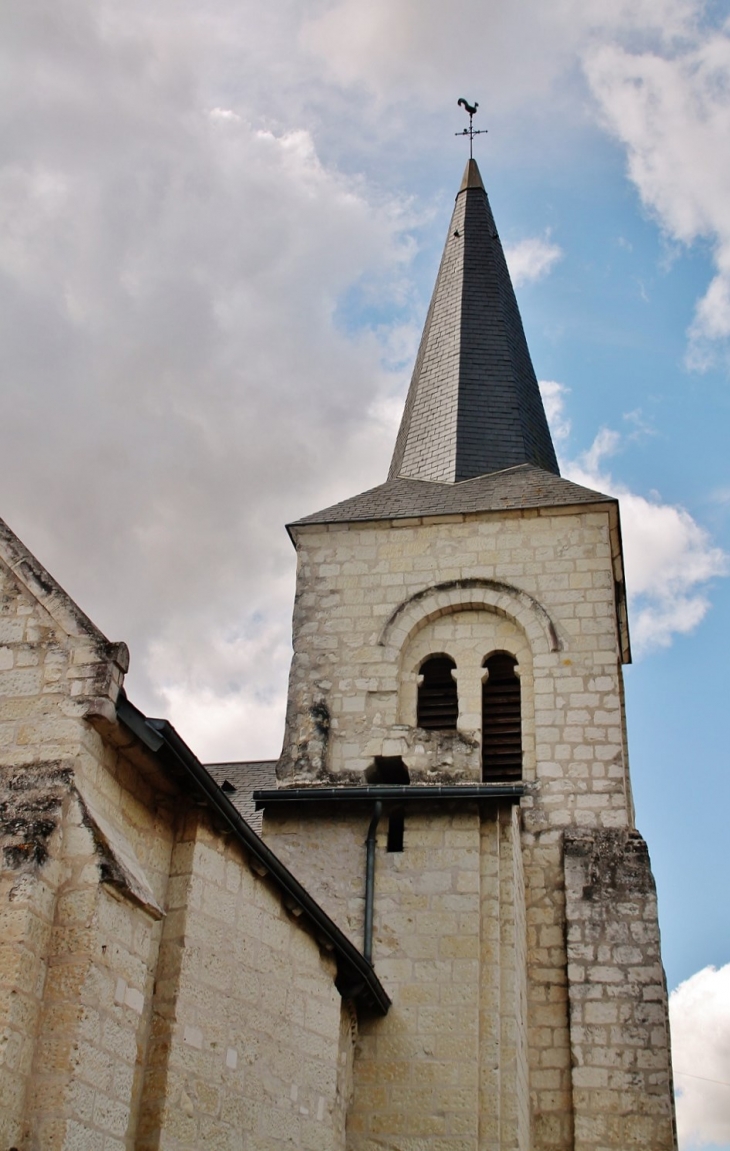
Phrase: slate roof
(473, 405)
(356, 978)
(254, 775)
(520, 487)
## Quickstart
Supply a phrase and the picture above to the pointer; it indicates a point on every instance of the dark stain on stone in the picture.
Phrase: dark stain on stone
(321, 717)
(30, 805)
(310, 757)
(615, 861)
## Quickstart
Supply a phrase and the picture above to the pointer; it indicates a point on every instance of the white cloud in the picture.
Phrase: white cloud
(670, 558)
(173, 375)
(224, 114)
(671, 111)
(531, 259)
(554, 397)
(230, 687)
(659, 71)
(424, 50)
(699, 1012)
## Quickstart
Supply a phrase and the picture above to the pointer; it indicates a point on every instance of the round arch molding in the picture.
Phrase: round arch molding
(462, 595)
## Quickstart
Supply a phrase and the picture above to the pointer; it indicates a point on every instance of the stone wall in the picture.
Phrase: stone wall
(54, 668)
(157, 995)
(622, 1077)
(446, 1070)
(416, 1072)
(85, 1084)
(504, 1106)
(154, 991)
(250, 1039)
(374, 600)
(547, 991)
(26, 918)
(366, 592)
(324, 846)
(252, 1047)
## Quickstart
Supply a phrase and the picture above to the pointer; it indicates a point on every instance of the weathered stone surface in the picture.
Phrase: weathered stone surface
(622, 1075)
(547, 597)
(154, 991)
(374, 601)
(248, 1040)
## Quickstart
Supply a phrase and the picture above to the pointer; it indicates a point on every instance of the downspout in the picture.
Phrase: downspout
(367, 947)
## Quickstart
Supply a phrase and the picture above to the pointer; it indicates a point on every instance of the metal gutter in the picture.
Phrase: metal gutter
(367, 946)
(406, 792)
(356, 977)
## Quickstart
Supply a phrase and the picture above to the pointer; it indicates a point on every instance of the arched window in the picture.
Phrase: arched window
(438, 706)
(501, 720)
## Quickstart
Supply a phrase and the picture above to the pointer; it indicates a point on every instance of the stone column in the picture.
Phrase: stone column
(504, 1106)
(622, 1075)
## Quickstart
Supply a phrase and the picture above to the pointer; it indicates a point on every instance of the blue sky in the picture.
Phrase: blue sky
(610, 322)
(221, 225)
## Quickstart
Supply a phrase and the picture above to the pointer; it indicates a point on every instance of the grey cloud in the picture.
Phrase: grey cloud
(172, 374)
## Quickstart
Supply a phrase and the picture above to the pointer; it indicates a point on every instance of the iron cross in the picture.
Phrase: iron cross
(471, 132)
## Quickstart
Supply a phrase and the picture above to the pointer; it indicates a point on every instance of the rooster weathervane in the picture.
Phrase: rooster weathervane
(471, 131)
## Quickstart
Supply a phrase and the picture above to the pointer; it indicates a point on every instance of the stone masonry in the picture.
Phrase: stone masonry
(618, 995)
(156, 989)
(373, 601)
(538, 582)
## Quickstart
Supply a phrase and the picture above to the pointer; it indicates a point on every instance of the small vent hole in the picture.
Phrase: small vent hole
(389, 770)
(396, 828)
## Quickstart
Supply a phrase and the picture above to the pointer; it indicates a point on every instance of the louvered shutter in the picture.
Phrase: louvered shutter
(501, 721)
(438, 705)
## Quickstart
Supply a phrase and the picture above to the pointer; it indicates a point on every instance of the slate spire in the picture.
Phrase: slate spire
(473, 405)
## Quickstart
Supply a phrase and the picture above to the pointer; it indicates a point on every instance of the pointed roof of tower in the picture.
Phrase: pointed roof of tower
(474, 436)
(474, 405)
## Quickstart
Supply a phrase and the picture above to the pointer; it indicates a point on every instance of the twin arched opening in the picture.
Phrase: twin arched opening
(438, 710)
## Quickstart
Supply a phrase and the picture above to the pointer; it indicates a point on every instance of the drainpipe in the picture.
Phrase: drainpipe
(367, 947)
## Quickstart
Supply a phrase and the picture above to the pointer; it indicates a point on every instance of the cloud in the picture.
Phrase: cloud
(554, 398)
(419, 49)
(174, 373)
(699, 1012)
(658, 71)
(671, 111)
(670, 558)
(224, 114)
(531, 259)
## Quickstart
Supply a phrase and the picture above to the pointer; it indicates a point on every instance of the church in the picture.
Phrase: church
(431, 924)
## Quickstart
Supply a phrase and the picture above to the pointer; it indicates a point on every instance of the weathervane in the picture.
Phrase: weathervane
(471, 132)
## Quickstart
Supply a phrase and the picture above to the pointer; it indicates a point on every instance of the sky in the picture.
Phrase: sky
(221, 224)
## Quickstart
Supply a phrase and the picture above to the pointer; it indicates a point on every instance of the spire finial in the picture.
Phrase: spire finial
(471, 132)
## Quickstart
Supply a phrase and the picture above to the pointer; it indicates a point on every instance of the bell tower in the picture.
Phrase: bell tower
(454, 782)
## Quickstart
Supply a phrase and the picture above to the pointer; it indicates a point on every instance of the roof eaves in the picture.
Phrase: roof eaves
(619, 576)
(356, 977)
(327, 516)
